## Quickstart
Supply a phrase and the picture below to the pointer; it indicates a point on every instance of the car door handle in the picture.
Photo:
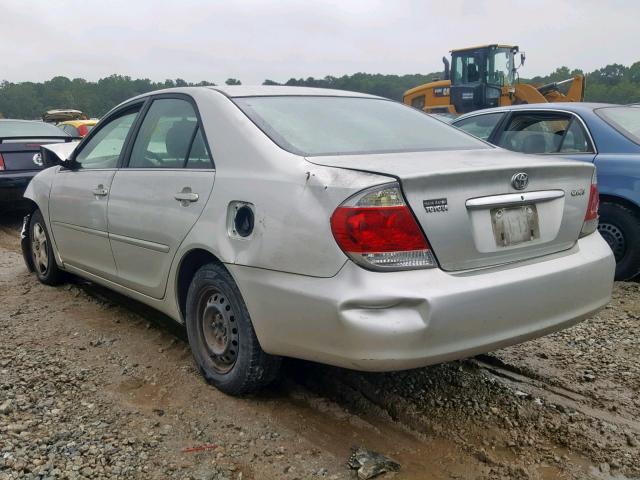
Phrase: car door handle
(100, 191)
(186, 196)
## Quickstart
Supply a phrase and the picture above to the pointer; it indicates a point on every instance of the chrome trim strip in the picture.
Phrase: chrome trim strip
(78, 228)
(513, 199)
(158, 247)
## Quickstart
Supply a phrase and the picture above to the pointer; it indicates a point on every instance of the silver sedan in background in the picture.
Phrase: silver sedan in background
(325, 225)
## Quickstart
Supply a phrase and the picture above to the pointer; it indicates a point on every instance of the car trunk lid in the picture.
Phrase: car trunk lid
(23, 154)
(469, 209)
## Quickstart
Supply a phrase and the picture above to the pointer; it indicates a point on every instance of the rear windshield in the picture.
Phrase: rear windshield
(9, 128)
(624, 119)
(317, 125)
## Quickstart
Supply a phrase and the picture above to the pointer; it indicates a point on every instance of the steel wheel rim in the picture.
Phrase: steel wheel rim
(615, 238)
(39, 250)
(219, 329)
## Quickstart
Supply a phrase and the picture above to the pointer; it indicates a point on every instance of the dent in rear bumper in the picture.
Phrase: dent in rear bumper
(397, 320)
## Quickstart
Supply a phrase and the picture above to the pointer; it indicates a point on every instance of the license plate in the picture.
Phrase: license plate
(514, 225)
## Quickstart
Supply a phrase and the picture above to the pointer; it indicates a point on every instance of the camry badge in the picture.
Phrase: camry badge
(520, 181)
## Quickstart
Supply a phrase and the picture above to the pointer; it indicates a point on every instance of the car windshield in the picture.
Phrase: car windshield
(624, 119)
(317, 125)
(10, 128)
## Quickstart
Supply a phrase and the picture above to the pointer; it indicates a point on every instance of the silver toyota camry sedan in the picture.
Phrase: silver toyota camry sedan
(326, 225)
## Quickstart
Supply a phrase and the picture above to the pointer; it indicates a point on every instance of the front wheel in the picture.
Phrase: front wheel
(620, 227)
(221, 335)
(44, 263)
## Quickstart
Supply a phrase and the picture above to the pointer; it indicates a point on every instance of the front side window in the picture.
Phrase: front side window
(480, 126)
(544, 132)
(166, 136)
(318, 125)
(104, 148)
(625, 120)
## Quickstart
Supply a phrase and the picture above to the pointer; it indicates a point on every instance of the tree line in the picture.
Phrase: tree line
(614, 83)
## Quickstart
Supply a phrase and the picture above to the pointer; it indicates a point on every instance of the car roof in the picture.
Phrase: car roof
(577, 107)
(271, 90)
(20, 120)
(237, 91)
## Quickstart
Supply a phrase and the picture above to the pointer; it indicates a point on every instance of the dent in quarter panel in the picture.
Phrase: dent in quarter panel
(292, 229)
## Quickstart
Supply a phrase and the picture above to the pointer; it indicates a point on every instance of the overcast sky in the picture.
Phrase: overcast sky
(253, 40)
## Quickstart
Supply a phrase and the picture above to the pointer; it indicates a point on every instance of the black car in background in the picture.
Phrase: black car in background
(20, 159)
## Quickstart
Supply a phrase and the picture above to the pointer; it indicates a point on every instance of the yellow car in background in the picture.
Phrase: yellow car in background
(77, 128)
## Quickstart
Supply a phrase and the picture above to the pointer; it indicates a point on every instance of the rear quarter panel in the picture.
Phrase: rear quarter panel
(293, 198)
(619, 175)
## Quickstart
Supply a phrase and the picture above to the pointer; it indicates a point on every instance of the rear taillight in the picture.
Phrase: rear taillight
(590, 224)
(1, 162)
(82, 130)
(377, 230)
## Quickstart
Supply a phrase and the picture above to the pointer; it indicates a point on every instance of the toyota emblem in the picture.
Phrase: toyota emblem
(520, 181)
(37, 159)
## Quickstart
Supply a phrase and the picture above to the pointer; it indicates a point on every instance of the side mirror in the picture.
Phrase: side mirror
(59, 154)
(522, 58)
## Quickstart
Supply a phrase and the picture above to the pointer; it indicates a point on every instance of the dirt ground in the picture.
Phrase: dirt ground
(93, 385)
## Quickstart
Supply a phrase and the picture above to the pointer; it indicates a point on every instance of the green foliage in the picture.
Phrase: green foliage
(30, 100)
(613, 83)
(390, 86)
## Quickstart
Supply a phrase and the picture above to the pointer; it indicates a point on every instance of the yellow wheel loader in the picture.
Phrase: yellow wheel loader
(484, 77)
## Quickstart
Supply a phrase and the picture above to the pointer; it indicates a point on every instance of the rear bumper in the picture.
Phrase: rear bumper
(13, 185)
(381, 321)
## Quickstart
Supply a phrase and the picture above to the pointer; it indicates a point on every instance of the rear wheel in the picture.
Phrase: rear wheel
(221, 336)
(44, 263)
(620, 227)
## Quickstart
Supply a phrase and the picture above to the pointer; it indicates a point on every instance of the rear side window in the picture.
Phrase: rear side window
(166, 136)
(545, 132)
(198, 155)
(480, 126)
(104, 148)
(575, 140)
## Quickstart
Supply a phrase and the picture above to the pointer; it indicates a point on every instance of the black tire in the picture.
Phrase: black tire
(221, 335)
(620, 227)
(41, 251)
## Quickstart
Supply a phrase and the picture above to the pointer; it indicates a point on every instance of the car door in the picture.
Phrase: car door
(546, 132)
(79, 197)
(159, 194)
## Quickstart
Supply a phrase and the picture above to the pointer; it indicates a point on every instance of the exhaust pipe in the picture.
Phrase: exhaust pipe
(445, 60)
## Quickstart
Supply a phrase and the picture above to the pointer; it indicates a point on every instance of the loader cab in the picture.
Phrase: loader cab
(480, 76)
